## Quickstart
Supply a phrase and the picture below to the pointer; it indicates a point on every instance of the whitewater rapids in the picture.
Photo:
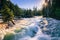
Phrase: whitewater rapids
(37, 28)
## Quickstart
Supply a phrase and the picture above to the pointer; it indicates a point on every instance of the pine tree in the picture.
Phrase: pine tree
(56, 9)
(7, 14)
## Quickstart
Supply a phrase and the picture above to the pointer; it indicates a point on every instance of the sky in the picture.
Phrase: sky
(28, 4)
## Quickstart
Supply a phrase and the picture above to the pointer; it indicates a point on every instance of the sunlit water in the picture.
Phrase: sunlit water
(37, 28)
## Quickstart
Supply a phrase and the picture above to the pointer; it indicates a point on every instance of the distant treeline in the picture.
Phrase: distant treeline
(9, 11)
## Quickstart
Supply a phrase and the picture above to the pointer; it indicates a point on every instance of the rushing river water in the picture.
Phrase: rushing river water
(33, 31)
(38, 28)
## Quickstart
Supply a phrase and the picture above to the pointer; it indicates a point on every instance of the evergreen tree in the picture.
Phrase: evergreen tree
(35, 11)
(7, 14)
(17, 11)
(55, 9)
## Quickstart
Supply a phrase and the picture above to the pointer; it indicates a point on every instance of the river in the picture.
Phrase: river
(37, 28)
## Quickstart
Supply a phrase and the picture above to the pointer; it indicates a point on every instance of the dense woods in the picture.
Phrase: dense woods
(55, 9)
(52, 10)
(9, 11)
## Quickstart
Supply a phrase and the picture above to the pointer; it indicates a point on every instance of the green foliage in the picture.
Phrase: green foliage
(55, 9)
(57, 13)
(17, 11)
(9, 11)
(28, 13)
(7, 14)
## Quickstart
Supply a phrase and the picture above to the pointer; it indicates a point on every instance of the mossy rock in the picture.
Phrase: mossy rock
(9, 36)
(18, 30)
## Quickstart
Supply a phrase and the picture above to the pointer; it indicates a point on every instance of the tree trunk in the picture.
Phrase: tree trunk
(13, 22)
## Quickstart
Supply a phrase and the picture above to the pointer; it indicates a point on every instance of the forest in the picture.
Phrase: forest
(9, 11)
